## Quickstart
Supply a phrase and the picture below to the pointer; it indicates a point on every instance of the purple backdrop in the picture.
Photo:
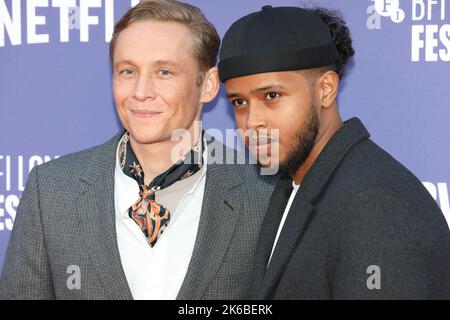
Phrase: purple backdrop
(55, 86)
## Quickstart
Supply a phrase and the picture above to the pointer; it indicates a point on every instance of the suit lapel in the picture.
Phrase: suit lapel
(218, 219)
(302, 208)
(96, 210)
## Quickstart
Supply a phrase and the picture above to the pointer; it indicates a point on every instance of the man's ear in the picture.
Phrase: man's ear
(328, 85)
(210, 85)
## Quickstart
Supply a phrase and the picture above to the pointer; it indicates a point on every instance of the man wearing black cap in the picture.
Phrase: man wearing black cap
(346, 220)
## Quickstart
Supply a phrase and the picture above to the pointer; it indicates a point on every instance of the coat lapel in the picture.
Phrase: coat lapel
(269, 228)
(96, 210)
(294, 227)
(302, 208)
(218, 219)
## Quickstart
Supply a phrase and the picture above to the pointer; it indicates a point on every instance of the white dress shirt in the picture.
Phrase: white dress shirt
(157, 273)
(283, 218)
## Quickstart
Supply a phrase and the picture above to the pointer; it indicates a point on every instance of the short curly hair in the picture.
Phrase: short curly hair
(341, 37)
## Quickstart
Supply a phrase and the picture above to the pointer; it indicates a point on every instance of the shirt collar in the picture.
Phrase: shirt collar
(127, 189)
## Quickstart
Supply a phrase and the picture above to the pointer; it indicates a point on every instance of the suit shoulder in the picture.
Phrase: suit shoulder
(69, 162)
(71, 165)
(250, 171)
(253, 172)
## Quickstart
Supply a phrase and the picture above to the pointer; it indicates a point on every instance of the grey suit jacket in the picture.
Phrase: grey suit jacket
(361, 226)
(66, 218)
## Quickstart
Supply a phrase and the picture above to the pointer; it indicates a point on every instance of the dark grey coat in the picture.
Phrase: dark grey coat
(356, 208)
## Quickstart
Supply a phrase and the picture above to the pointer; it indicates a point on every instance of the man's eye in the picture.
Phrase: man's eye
(126, 72)
(238, 102)
(272, 95)
(165, 73)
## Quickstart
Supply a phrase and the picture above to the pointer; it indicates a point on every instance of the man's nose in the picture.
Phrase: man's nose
(144, 88)
(256, 118)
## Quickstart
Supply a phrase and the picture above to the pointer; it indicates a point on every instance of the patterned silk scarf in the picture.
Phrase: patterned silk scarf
(150, 216)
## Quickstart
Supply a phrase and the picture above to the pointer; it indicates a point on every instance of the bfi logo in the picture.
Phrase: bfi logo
(390, 8)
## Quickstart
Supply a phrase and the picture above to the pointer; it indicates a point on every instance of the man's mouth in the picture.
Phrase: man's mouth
(145, 113)
(260, 144)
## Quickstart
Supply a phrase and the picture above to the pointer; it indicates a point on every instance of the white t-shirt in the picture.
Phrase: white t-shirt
(283, 218)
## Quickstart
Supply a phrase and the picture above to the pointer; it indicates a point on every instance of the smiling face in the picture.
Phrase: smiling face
(155, 80)
(276, 100)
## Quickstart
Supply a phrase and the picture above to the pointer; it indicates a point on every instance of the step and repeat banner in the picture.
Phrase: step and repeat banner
(56, 97)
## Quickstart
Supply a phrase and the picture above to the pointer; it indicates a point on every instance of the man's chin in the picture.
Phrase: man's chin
(292, 163)
(267, 162)
(268, 167)
(144, 138)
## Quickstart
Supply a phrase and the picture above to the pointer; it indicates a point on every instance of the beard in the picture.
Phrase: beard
(302, 144)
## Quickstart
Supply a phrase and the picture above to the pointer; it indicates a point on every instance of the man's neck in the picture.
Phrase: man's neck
(328, 128)
(155, 158)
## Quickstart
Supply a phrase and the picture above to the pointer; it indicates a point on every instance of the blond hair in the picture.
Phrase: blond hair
(204, 35)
